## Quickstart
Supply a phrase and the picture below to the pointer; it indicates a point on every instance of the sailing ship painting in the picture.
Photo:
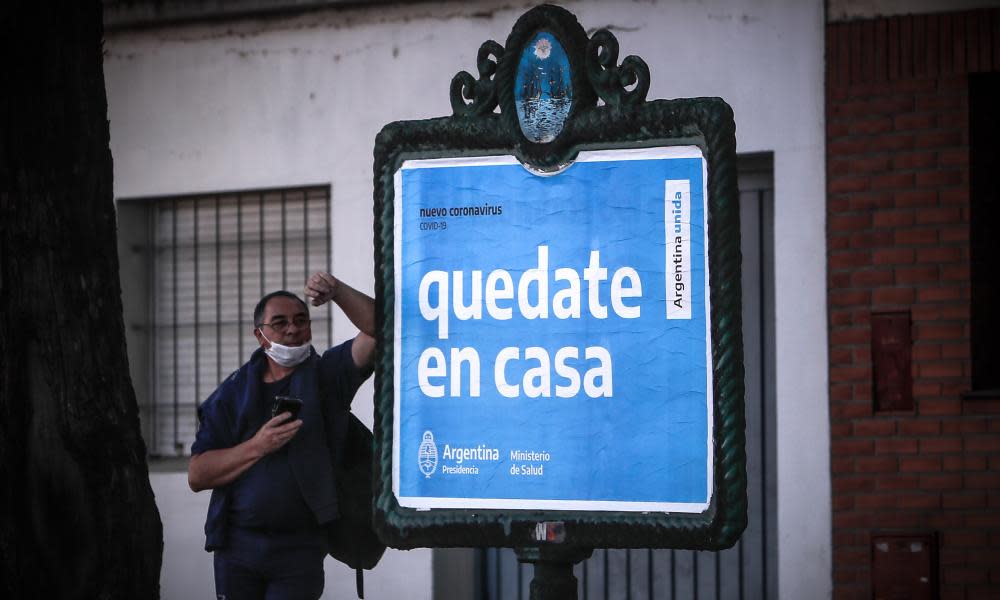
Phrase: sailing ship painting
(543, 94)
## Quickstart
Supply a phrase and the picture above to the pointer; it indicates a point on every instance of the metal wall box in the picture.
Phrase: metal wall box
(904, 567)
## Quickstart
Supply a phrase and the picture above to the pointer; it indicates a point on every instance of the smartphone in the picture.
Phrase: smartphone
(286, 404)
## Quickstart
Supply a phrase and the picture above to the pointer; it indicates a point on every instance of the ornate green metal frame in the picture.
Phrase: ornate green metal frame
(623, 119)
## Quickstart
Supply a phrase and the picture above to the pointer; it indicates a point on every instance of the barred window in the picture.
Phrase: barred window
(192, 270)
(984, 217)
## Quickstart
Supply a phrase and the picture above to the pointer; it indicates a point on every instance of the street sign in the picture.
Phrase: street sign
(558, 290)
(552, 334)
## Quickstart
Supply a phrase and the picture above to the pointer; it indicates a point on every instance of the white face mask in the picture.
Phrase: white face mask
(286, 356)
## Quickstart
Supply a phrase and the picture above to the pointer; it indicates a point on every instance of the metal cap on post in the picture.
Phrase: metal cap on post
(554, 578)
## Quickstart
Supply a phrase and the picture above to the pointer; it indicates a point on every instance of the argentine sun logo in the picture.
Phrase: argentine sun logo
(427, 454)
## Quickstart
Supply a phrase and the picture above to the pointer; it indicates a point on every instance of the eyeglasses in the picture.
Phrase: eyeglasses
(281, 325)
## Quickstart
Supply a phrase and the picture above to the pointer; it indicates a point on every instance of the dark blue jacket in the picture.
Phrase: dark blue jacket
(326, 386)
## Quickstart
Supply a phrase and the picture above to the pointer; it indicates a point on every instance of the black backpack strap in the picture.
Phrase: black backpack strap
(359, 581)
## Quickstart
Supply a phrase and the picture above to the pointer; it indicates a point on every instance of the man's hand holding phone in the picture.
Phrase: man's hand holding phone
(286, 404)
(282, 426)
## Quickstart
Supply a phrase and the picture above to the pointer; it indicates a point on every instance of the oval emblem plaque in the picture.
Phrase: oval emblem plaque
(543, 92)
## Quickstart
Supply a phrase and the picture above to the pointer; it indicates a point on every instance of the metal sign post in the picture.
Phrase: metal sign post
(560, 362)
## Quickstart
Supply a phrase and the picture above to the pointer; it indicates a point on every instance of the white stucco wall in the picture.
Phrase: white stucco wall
(299, 100)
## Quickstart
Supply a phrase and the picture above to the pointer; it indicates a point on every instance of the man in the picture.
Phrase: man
(272, 476)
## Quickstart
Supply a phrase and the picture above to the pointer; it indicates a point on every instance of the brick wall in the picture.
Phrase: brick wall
(898, 240)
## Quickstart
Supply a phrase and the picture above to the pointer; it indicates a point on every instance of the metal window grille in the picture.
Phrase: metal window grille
(748, 570)
(208, 260)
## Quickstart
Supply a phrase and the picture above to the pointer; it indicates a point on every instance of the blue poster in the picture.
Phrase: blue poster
(552, 345)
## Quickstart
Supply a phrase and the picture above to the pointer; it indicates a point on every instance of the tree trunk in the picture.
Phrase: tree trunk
(77, 516)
